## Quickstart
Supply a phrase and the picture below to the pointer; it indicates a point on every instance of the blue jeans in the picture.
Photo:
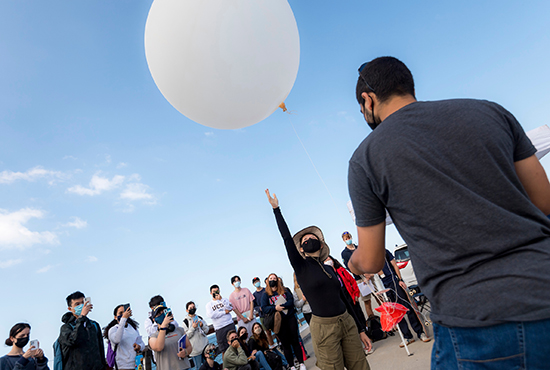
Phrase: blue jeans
(285, 362)
(199, 360)
(515, 345)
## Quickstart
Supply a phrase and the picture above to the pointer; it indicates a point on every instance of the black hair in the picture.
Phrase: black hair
(337, 264)
(16, 329)
(73, 297)
(235, 278)
(132, 323)
(189, 304)
(214, 287)
(261, 338)
(232, 331)
(386, 76)
(255, 279)
(155, 301)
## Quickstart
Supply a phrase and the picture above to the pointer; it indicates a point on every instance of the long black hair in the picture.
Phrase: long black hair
(16, 329)
(130, 321)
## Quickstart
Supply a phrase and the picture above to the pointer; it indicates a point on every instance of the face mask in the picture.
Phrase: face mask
(78, 309)
(244, 336)
(349, 241)
(257, 284)
(119, 317)
(258, 330)
(330, 263)
(311, 245)
(160, 318)
(211, 354)
(192, 311)
(273, 283)
(237, 284)
(22, 342)
(215, 293)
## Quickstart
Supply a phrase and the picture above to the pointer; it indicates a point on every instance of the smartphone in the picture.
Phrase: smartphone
(35, 344)
(126, 307)
(87, 300)
(169, 311)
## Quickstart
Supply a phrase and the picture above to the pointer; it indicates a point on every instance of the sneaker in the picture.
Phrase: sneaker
(424, 338)
(292, 368)
(369, 352)
(303, 367)
(408, 341)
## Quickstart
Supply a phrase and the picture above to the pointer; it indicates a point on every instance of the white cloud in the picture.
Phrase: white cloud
(121, 165)
(35, 173)
(97, 185)
(44, 269)
(137, 191)
(91, 259)
(9, 263)
(13, 233)
(69, 157)
(209, 133)
(77, 223)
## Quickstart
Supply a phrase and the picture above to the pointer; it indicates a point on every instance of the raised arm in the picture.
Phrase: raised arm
(296, 260)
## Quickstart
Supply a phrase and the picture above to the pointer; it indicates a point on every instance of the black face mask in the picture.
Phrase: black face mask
(311, 245)
(273, 283)
(244, 336)
(192, 311)
(22, 342)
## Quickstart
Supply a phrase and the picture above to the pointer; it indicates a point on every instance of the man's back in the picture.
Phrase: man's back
(445, 172)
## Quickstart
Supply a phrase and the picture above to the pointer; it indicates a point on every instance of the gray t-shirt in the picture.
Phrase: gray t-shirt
(445, 172)
(168, 359)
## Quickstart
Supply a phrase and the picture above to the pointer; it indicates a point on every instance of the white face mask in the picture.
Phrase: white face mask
(329, 262)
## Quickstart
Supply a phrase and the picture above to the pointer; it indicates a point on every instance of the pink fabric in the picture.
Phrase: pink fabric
(391, 314)
(241, 300)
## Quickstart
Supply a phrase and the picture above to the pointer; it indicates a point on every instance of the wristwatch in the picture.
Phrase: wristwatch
(163, 328)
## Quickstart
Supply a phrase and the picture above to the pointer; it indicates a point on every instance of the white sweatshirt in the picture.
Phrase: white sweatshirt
(215, 309)
(125, 337)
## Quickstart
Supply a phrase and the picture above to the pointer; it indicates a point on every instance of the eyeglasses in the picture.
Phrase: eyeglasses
(361, 75)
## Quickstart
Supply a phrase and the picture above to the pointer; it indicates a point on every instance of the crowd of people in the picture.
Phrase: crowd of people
(266, 334)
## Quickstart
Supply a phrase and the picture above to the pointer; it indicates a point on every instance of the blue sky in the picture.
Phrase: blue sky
(108, 189)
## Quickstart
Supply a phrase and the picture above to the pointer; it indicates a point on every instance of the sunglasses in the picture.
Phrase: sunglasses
(362, 77)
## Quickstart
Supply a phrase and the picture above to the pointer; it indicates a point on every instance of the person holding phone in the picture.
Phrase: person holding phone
(124, 338)
(196, 329)
(169, 354)
(80, 338)
(32, 359)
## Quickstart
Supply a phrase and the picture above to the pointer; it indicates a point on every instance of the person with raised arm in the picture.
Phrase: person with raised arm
(333, 329)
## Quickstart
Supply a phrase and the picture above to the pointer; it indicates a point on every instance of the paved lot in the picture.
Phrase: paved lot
(387, 354)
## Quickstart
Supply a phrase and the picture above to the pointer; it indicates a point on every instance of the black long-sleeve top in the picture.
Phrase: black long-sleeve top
(322, 292)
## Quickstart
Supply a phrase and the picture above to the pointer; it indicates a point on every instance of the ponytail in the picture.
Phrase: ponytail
(16, 329)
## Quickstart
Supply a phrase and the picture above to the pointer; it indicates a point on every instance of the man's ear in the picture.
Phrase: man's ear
(368, 100)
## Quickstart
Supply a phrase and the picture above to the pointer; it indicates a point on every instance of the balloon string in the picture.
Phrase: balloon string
(315, 168)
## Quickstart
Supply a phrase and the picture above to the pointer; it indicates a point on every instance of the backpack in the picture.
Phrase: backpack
(374, 329)
(274, 360)
(111, 355)
(58, 353)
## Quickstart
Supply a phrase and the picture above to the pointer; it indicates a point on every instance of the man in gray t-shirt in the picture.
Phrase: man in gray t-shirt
(465, 191)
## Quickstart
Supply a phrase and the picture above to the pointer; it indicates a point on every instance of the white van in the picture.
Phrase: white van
(403, 260)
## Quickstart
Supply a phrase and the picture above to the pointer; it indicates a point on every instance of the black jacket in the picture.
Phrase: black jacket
(81, 343)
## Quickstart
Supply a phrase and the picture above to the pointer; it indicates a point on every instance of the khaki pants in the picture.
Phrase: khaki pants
(336, 343)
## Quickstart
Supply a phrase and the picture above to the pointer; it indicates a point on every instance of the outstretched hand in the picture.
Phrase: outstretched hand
(273, 201)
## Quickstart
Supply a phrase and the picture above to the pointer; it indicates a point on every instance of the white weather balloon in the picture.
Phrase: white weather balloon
(223, 63)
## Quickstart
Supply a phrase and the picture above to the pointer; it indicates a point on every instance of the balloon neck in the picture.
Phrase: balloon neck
(283, 106)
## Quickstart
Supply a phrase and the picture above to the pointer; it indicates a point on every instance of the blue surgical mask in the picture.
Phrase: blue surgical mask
(78, 309)
(257, 284)
(237, 284)
(349, 241)
(160, 318)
